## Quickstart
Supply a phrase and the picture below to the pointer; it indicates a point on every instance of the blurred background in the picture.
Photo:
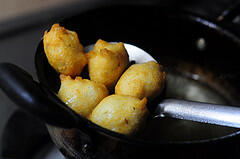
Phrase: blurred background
(22, 23)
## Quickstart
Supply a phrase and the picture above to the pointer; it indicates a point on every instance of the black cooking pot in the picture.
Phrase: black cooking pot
(199, 56)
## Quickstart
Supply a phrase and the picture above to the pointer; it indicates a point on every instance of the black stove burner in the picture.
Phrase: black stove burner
(26, 137)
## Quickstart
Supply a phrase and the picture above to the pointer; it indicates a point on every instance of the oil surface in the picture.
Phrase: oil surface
(179, 86)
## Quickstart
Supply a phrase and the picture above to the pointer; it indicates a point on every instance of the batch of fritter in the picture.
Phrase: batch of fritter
(123, 112)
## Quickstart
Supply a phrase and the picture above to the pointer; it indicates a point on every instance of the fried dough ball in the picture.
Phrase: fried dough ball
(82, 95)
(107, 62)
(142, 80)
(64, 51)
(122, 114)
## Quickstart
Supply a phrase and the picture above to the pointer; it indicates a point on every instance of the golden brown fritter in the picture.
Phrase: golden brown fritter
(122, 114)
(82, 95)
(107, 62)
(64, 51)
(142, 80)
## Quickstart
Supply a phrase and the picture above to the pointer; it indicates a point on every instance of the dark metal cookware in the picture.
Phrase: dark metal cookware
(199, 56)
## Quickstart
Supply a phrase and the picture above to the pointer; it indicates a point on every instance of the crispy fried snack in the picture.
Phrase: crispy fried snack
(122, 114)
(142, 80)
(107, 62)
(64, 51)
(82, 95)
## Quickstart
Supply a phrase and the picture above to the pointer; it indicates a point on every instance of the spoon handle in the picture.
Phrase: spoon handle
(33, 97)
(200, 112)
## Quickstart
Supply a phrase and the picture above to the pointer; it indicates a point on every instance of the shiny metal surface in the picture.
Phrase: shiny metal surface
(200, 112)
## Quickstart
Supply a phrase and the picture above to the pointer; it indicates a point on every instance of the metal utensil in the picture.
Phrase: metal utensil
(186, 110)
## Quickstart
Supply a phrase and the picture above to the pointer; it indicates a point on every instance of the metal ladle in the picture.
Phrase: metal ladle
(39, 100)
(186, 110)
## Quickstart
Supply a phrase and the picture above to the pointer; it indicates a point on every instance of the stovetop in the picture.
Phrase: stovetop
(23, 136)
(26, 137)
